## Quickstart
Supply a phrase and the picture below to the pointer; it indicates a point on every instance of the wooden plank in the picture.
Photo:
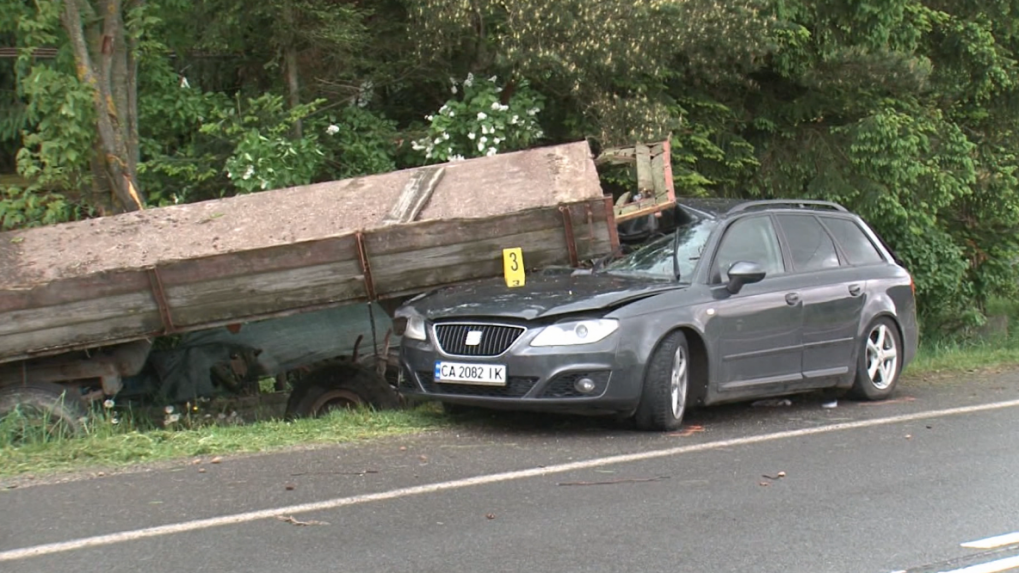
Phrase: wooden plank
(257, 261)
(88, 334)
(98, 286)
(425, 234)
(415, 195)
(264, 293)
(645, 180)
(658, 177)
(73, 313)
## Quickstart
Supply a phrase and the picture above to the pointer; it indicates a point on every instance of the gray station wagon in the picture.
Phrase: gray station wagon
(744, 300)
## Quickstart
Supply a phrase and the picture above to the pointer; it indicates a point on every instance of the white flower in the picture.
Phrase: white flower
(175, 418)
(443, 109)
(452, 113)
(469, 81)
(491, 151)
(332, 129)
(503, 107)
(248, 172)
(471, 136)
(496, 105)
(416, 145)
(481, 146)
(184, 82)
(453, 89)
(514, 119)
(481, 115)
(533, 111)
(485, 129)
(492, 79)
(539, 134)
(168, 409)
(452, 80)
(108, 404)
(496, 140)
(115, 421)
(457, 157)
(429, 117)
(437, 141)
(445, 136)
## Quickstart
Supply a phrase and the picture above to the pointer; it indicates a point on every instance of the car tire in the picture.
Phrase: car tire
(42, 407)
(339, 386)
(666, 386)
(880, 361)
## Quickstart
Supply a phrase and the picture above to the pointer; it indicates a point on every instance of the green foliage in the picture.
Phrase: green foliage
(264, 155)
(357, 142)
(21, 208)
(481, 124)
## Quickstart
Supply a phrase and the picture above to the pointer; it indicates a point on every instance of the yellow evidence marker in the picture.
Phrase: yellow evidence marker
(513, 267)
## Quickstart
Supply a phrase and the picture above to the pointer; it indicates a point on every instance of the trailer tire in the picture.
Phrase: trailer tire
(338, 386)
(48, 407)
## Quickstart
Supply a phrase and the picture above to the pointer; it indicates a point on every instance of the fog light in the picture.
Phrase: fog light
(584, 385)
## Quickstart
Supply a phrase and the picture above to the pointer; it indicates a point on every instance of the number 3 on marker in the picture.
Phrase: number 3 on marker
(513, 266)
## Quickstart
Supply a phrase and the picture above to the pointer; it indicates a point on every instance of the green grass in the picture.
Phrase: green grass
(971, 351)
(108, 445)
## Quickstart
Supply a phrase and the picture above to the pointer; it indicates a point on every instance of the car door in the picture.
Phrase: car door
(756, 331)
(832, 297)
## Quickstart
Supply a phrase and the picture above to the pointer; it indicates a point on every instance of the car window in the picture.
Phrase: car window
(751, 240)
(855, 244)
(655, 258)
(811, 246)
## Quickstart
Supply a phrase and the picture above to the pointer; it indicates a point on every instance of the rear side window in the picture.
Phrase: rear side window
(811, 246)
(855, 244)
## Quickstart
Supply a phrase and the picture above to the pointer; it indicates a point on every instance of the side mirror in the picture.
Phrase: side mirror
(742, 273)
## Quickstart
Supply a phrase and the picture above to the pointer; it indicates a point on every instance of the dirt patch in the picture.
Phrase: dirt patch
(475, 188)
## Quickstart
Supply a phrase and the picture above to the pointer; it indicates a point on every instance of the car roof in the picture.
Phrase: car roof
(717, 207)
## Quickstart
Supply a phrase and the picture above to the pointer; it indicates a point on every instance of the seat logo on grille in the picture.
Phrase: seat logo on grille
(473, 338)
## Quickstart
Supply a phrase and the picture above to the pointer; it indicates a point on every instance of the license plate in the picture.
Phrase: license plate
(483, 374)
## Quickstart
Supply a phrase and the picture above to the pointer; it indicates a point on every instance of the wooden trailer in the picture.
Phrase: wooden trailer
(80, 303)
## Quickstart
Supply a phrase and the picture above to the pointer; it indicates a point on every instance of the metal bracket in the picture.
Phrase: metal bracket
(366, 268)
(156, 282)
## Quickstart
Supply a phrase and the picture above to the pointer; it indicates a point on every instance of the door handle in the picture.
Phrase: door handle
(855, 289)
(792, 298)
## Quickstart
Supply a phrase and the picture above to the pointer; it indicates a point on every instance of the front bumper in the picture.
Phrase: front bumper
(537, 378)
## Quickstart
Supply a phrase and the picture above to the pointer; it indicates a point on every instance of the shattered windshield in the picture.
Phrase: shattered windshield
(654, 259)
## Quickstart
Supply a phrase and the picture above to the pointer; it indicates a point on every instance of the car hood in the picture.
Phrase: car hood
(542, 296)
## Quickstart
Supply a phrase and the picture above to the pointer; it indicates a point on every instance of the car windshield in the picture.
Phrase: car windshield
(655, 258)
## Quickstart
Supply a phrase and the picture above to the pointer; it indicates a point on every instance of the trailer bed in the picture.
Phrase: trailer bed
(196, 266)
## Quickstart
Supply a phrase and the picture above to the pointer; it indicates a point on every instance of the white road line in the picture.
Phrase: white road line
(990, 567)
(133, 535)
(993, 542)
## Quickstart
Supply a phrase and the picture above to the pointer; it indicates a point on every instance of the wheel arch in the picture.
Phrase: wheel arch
(700, 363)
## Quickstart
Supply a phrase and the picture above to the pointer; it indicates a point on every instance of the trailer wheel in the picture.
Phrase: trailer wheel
(339, 386)
(39, 411)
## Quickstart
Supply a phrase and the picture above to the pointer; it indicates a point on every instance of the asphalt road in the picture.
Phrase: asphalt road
(894, 486)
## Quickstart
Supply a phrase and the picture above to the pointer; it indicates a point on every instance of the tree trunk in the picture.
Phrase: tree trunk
(290, 64)
(107, 67)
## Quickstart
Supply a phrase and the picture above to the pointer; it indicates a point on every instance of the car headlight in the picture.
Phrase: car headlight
(409, 325)
(576, 332)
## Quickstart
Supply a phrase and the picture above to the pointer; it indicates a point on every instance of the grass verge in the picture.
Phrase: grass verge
(108, 445)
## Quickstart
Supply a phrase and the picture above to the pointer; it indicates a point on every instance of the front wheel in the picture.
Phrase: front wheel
(663, 400)
(879, 364)
(339, 387)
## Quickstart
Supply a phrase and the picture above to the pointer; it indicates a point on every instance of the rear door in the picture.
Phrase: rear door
(833, 296)
(756, 331)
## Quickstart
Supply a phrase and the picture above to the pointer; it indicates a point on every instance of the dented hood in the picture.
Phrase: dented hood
(544, 295)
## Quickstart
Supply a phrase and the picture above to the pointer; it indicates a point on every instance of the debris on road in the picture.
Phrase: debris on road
(776, 477)
(688, 431)
(830, 404)
(216, 460)
(490, 516)
(336, 473)
(289, 487)
(614, 481)
(772, 403)
(201, 470)
(291, 520)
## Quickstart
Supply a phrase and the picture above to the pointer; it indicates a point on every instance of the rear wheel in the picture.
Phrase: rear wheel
(666, 387)
(337, 387)
(39, 411)
(879, 364)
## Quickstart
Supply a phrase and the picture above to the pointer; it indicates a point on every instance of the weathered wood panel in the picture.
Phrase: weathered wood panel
(81, 335)
(74, 313)
(100, 285)
(237, 298)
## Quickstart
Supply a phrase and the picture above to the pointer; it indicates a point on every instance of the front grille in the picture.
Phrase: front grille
(494, 339)
(516, 387)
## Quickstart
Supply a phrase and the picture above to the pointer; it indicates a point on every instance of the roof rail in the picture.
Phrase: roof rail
(791, 202)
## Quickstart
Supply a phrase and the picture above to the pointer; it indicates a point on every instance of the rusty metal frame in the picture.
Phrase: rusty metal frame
(366, 267)
(571, 240)
(159, 293)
